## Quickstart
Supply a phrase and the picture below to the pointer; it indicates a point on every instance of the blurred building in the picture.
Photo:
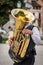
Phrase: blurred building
(36, 7)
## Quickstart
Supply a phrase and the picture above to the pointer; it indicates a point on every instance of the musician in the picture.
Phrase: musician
(34, 39)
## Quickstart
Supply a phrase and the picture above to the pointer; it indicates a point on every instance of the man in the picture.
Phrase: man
(34, 39)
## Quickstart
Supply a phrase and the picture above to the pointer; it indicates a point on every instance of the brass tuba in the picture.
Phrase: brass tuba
(21, 42)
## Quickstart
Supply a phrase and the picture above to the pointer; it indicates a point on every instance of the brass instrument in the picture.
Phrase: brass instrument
(21, 42)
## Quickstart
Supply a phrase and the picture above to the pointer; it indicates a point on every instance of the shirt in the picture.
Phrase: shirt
(36, 36)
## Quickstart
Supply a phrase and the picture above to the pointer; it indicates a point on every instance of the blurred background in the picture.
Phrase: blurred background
(34, 6)
(7, 21)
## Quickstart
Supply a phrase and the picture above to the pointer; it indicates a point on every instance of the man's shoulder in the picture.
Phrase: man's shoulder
(31, 27)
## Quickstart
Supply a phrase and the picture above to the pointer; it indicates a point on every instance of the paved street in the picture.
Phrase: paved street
(5, 59)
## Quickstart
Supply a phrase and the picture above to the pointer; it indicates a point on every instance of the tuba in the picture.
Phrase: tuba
(21, 42)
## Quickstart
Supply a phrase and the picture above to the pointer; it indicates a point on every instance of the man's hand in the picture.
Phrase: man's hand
(10, 38)
(27, 31)
(10, 41)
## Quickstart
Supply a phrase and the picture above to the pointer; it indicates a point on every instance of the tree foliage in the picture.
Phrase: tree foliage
(5, 8)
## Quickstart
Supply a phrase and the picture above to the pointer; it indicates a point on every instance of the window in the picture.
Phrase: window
(39, 20)
(37, 7)
(34, 0)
